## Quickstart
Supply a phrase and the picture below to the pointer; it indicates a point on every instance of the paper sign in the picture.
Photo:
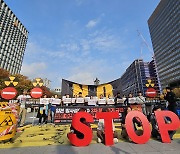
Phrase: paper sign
(102, 101)
(80, 100)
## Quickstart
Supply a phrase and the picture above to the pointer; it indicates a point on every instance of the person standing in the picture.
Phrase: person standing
(43, 112)
(171, 98)
(118, 96)
(22, 100)
(141, 100)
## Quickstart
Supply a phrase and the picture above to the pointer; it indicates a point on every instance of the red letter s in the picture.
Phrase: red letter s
(84, 129)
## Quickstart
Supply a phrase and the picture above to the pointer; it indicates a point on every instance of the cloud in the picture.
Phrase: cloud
(92, 23)
(34, 70)
(86, 71)
(80, 2)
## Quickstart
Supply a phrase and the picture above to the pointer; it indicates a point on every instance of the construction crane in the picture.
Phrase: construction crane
(145, 42)
(153, 57)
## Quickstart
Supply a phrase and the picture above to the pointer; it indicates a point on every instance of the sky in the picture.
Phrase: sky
(80, 40)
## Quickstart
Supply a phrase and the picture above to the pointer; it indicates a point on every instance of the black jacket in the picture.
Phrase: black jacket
(171, 98)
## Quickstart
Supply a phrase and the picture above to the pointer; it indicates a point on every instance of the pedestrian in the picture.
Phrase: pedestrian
(22, 99)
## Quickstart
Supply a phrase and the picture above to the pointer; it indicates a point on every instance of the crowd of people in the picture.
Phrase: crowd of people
(49, 109)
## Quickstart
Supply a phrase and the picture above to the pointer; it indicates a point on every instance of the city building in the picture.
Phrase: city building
(136, 75)
(13, 40)
(57, 90)
(164, 29)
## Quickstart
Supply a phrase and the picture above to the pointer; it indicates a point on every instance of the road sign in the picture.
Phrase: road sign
(36, 92)
(8, 93)
(151, 92)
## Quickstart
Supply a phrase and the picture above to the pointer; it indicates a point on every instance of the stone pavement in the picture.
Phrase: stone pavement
(152, 147)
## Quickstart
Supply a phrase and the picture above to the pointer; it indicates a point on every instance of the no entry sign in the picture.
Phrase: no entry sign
(8, 93)
(36, 92)
(151, 92)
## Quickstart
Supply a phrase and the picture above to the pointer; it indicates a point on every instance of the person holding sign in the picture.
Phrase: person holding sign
(130, 100)
(117, 98)
(43, 112)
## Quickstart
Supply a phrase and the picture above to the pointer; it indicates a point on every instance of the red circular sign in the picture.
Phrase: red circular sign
(36, 92)
(151, 92)
(9, 93)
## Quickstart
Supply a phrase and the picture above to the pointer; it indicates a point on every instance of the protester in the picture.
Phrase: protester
(124, 97)
(141, 100)
(23, 111)
(74, 131)
(101, 96)
(118, 96)
(135, 121)
(155, 129)
(127, 101)
(171, 98)
(100, 130)
(80, 95)
(53, 109)
(43, 113)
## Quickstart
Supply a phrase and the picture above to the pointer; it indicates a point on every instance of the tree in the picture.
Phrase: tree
(3, 75)
(24, 83)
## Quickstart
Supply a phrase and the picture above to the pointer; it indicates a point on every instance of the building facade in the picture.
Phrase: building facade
(13, 40)
(164, 29)
(136, 75)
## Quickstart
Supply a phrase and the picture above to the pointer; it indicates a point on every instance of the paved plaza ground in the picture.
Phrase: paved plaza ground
(52, 139)
(152, 147)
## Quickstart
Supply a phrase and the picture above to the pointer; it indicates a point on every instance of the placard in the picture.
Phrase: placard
(86, 99)
(44, 101)
(110, 101)
(120, 101)
(56, 101)
(102, 101)
(67, 101)
(80, 100)
(132, 100)
(92, 102)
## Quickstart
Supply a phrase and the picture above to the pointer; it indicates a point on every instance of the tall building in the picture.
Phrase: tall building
(13, 40)
(164, 26)
(136, 75)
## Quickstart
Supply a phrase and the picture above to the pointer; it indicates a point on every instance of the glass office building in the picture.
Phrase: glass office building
(13, 40)
(136, 75)
(164, 26)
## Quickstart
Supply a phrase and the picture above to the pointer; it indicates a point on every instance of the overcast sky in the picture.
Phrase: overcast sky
(80, 40)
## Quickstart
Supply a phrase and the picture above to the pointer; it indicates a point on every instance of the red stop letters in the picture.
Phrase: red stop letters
(130, 127)
(108, 116)
(163, 127)
(83, 128)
